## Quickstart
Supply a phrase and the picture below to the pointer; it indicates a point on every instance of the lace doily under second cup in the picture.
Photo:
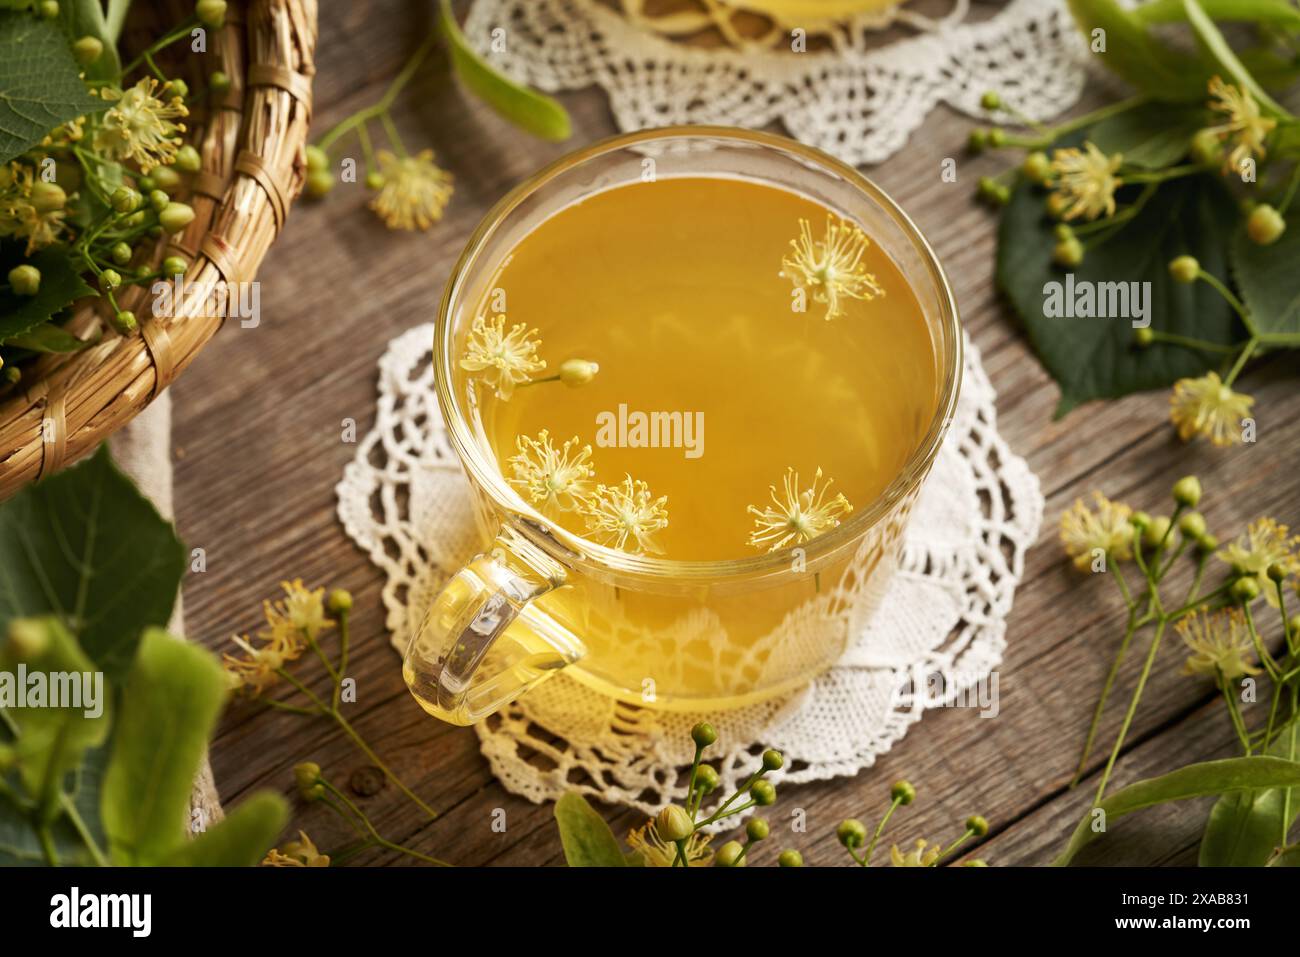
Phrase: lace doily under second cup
(940, 632)
(858, 100)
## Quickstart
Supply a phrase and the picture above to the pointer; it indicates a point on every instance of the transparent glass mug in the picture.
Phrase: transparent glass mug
(655, 632)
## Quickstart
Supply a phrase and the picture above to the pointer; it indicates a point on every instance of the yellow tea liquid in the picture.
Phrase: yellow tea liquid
(677, 290)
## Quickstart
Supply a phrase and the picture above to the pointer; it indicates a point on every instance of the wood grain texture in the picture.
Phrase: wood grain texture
(258, 450)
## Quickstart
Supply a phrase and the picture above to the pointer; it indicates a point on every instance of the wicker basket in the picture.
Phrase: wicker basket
(251, 142)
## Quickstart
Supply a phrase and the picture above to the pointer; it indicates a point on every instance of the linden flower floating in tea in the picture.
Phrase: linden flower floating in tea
(1266, 544)
(831, 267)
(556, 479)
(1220, 644)
(1208, 407)
(506, 359)
(1085, 182)
(1084, 531)
(139, 126)
(618, 513)
(797, 516)
(1245, 128)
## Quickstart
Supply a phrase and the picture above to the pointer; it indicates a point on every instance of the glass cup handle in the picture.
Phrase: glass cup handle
(484, 641)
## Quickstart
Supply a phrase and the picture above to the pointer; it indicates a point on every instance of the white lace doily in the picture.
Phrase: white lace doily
(859, 100)
(406, 502)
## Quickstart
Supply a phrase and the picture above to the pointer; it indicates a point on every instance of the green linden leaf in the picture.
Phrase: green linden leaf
(1269, 281)
(49, 338)
(86, 546)
(61, 285)
(532, 111)
(1133, 54)
(1152, 136)
(19, 844)
(1095, 358)
(1244, 827)
(39, 83)
(169, 707)
(587, 839)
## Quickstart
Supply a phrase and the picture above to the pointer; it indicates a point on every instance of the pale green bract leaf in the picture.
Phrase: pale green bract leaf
(587, 839)
(39, 83)
(241, 840)
(532, 111)
(1218, 47)
(61, 285)
(1135, 55)
(81, 18)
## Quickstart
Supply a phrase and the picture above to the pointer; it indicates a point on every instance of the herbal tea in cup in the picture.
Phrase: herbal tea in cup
(696, 377)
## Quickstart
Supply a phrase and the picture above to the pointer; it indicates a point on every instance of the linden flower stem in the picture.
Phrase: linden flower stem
(1234, 713)
(1132, 709)
(384, 104)
(1241, 362)
(375, 835)
(166, 40)
(1188, 342)
(1106, 687)
(1265, 658)
(880, 829)
(1053, 133)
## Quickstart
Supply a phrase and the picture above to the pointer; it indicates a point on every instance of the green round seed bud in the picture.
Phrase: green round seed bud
(146, 184)
(120, 253)
(218, 82)
(674, 824)
(1068, 254)
(851, 833)
(307, 777)
(124, 199)
(375, 180)
(211, 13)
(1002, 195)
(1140, 520)
(991, 101)
(902, 792)
(1206, 148)
(1037, 167)
(1206, 543)
(977, 825)
(987, 187)
(977, 141)
(124, 322)
(109, 280)
(47, 197)
(319, 182)
(317, 158)
(1056, 205)
(25, 280)
(27, 639)
(1192, 525)
(757, 829)
(1277, 572)
(1293, 625)
(175, 266)
(1187, 491)
(166, 178)
(49, 9)
(773, 760)
(179, 87)
(703, 734)
(338, 602)
(188, 159)
(728, 855)
(159, 200)
(763, 793)
(997, 138)
(1062, 232)
(974, 862)
(87, 50)
(1265, 225)
(706, 779)
(790, 858)
(175, 216)
(1244, 590)
(1142, 338)
(1157, 531)
(576, 372)
(154, 232)
(1185, 269)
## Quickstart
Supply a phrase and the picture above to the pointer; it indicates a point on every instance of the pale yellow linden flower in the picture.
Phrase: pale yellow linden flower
(656, 852)
(139, 126)
(299, 853)
(1220, 644)
(831, 268)
(795, 516)
(923, 854)
(18, 217)
(415, 191)
(256, 671)
(626, 511)
(1246, 128)
(505, 358)
(300, 610)
(1084, 530)
(1208, 407)
(1265, 543)
(557, 479)
(1085, 181)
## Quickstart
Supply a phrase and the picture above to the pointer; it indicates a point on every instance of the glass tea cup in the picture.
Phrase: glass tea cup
(686, 635)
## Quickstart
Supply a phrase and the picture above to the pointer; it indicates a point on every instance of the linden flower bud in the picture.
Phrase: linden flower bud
(188, 159)
(1068, 253)
(902, 792)
(1144, 337)
(317, 158)
(319, 182)
(307, 776)
(1187, 491)
(124, 322)
(25, 280)
(1062, 232)
(790, 858)
(27, 639)
(159, 200)
(49, 9)
(997, 138)
(1140, 520)
(179, 88)
(757, 829)
(974, 862)
(124, 200)
(703, 734)
(120, 253)
(338, 602)
(47, 197)
(109, 280)
(1265, 225)
(1192, 525)
(576, 372)
(1276, 572)
(87, 50)
(706, 779)
(1293, 625)
(773, 760)
(977, 825)
(763, 793)
(728, 855)
(146, 184)
(1185, 269)
(1245, 590)
(1206, 544)
(175, 216)
(164, 178)
(1207, 150)
(977, 140)
(674, 824)
(1037, 167)
(211, 13)
(1156, 532)
(852, 833)
(991, 101)
(218, 81)
(375, 180)
(175, 266)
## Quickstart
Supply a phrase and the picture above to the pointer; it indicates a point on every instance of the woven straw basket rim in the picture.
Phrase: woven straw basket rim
(252, 145)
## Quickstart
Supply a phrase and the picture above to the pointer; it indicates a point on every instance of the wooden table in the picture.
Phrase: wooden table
(258, 451)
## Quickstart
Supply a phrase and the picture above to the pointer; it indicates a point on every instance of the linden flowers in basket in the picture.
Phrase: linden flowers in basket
(92, 151)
